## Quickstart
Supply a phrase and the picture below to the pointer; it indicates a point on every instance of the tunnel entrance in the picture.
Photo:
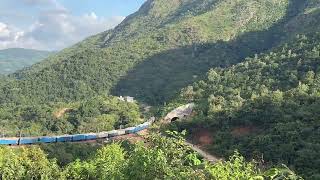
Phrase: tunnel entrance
(174, 119)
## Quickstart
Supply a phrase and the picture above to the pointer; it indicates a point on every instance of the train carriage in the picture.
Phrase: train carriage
(47, 139)
(102, 135)
(79, 137)
(113, 133)
(121, 132)
(76, 137)
(91, 136)
(129, 130)
(9, 141)
(141, 127)
(64, 138)
(29, 140)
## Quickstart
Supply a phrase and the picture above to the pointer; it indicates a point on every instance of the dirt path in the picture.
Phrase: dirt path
(61, 112)
(205, 155)
(140, 137)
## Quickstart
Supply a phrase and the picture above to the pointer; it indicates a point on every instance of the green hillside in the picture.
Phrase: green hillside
(251, 67)
(147, 59)
(268, 106)
(15, 59)
(152, 60)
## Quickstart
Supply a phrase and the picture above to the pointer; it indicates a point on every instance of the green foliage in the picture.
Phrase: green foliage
(102, 113)
(235, 168)
(27, 163)
(282, 173)
(160, 158)
(168, 45)
(143, 55)
(108, 163)
(267, 106)
(66, 153)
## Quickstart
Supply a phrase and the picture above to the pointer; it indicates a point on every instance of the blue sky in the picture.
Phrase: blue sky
(103, 7)
(56, 24)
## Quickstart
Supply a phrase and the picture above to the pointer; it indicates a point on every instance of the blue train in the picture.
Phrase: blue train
(75, 137)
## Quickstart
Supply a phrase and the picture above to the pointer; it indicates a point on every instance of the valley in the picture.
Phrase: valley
(14, 59)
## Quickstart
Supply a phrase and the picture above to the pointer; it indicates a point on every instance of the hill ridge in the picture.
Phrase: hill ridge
(121, 57)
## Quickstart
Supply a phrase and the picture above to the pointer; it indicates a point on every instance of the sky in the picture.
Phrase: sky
(57, 24)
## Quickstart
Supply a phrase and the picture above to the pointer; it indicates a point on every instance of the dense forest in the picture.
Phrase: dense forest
(100, 65)
(141, 55)
(266, 106)
(162, 158)
(102, 113)
(250, 66)
(151, 60)
(14, 59)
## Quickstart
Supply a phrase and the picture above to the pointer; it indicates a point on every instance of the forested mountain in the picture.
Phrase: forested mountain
(251, 67)
(266, 106)
(165, 45)
(15, 59)
(151, 55)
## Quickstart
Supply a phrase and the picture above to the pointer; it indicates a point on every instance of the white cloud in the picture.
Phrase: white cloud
(54, 28)
(4, 31)
(9, 36)
(91, 16)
